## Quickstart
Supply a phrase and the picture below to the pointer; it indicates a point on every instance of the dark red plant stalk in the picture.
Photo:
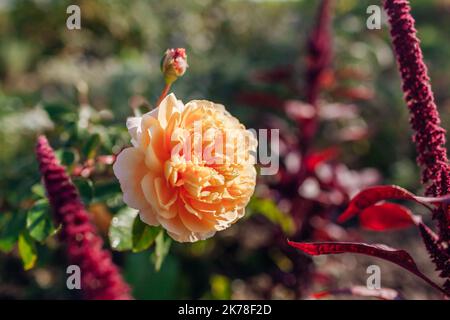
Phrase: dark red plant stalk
(429, 135)
(318, 61)
(100, 277)
(319, 52)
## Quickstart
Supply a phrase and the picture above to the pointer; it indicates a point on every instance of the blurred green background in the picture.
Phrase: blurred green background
(77, 86)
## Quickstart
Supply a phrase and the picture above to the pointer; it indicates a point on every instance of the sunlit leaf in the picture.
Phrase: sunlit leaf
(270, 210)
(27, 251)
(220, 287)
(375, 194)
(161, 249)
(387, 216)
(38, 190)
(120, 232)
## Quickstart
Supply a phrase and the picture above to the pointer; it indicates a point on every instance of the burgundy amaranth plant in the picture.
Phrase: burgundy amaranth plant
(100, 277)
(319, 52)
(318, 61)
(429, 136)
(369, 206)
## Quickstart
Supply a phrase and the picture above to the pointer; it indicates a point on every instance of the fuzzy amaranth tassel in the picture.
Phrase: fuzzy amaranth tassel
(100, 277)
(438, 254)
(429, 135)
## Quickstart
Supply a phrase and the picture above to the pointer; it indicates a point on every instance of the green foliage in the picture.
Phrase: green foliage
(27, 250)
(144, 280)
(162, 246)
(85, 189)
(67, 157)
(269, 209)
(128, 232)
(220, 287)
(91, 146)
(10, 227)
(39, 221)
(121, 230)
(38, 190)
(143, 235)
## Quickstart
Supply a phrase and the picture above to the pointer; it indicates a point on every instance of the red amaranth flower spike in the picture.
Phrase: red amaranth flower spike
(438, 254)
(429, 135)
(100, 278)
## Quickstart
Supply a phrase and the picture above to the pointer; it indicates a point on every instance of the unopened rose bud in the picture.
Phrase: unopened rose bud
(174, 64)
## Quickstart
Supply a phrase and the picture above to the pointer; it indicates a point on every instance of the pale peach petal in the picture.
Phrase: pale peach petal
(134, 129)
(166, 196)
(129, 157)
(148, 187)
(151, 160)
(166, 108)
(148, 121)
(171, 125)
(156, 134)
(173, 225)
(148, 216)
(128, 169)
(193, 222)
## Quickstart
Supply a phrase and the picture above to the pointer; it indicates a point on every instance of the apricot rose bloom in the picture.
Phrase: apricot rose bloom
(190, 169)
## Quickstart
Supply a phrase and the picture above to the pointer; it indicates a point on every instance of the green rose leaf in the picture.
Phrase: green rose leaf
(120, 231)
(162, 246)
(143, 235)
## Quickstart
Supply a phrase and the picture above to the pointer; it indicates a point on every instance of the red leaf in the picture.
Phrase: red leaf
(387, 216)
(318, 157)
(360, 291)
(399, 257)
(372, 195)
(396, 256)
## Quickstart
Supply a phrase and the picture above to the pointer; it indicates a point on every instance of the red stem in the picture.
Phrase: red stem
(164, 93)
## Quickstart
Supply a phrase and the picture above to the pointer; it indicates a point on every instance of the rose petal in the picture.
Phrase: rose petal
(129, 169)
